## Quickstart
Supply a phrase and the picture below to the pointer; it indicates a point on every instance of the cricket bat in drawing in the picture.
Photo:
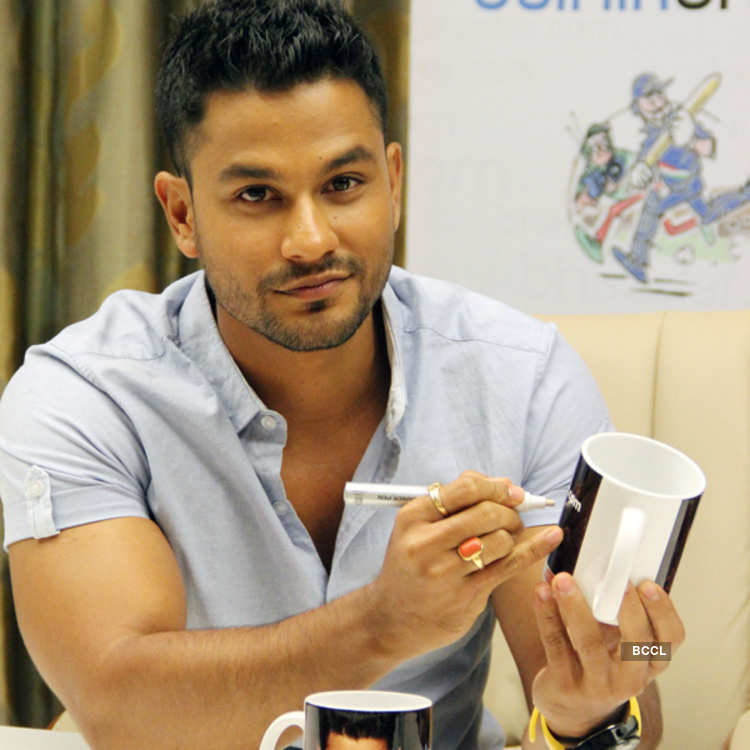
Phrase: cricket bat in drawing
(693, 104)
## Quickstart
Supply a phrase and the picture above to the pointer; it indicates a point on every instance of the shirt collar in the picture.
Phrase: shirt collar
(392, 321)
(201, 342)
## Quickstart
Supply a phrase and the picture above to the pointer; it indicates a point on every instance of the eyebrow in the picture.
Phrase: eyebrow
(246, 171)
(249, 171)
(358, 153)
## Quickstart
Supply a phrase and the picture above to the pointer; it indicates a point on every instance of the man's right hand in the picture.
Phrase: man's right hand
(641, 175)
(427, 596)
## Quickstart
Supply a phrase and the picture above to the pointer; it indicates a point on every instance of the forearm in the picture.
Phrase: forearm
(221, 688)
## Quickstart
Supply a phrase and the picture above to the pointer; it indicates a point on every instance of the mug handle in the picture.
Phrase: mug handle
(278, 725)
(611, 589)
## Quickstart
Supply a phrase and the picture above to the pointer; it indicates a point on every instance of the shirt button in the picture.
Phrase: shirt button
(268, 422)
(36, 489)
(281, 508)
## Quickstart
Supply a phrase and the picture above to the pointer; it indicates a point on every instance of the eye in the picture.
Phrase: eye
(343, 183)
(255, 194)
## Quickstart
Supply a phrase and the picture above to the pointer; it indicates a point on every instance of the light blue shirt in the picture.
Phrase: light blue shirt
(140, 410)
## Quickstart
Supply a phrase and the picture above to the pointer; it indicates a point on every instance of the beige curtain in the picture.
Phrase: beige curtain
(387, 24)
(78, 150)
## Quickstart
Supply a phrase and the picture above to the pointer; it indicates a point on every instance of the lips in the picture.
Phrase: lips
(315, 287)
(312, 282)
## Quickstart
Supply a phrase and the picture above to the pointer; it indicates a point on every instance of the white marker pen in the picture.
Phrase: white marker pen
(395, 495)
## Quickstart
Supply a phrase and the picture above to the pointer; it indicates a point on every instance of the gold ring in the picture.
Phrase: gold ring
(471, 550)
(434, 492)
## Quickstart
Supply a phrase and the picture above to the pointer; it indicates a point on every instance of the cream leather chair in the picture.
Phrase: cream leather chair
(683, 378)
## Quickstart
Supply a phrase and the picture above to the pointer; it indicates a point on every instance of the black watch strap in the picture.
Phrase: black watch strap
(623, 735)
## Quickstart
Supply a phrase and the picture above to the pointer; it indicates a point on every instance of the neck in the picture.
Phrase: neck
(323, 385)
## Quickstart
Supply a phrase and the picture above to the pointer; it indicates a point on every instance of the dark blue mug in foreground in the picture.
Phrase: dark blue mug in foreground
(367, 719)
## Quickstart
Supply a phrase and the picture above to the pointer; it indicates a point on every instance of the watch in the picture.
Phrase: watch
(624, 735)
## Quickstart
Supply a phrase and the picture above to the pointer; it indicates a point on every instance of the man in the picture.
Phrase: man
(605, 167)
(357, 731)
(679, 170)
(338, 741)
(172, 469)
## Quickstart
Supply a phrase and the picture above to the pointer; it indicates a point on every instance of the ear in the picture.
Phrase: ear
(176, 199)
(395, 177)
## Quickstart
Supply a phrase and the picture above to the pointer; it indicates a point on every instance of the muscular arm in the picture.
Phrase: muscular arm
(514, 605)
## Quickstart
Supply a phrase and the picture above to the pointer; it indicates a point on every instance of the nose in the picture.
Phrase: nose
(309, 234)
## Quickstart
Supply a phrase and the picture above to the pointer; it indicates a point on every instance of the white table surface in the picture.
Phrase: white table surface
(18, 738)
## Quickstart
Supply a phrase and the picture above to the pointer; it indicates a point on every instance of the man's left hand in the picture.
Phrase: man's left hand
(585, 683)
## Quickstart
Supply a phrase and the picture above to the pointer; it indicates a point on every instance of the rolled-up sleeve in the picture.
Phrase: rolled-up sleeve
(68, 453)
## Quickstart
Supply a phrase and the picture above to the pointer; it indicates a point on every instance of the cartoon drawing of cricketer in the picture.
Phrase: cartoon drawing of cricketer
(669, 164)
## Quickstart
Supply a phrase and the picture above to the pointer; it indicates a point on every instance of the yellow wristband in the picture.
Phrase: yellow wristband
(553, 743)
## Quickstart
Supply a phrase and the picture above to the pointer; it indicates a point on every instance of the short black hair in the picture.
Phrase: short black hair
(357, 725)
(267, 45)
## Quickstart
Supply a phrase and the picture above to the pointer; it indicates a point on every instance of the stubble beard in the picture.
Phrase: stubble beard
(313, 330)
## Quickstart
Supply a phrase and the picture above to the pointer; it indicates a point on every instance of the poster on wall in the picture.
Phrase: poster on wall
(582, 156)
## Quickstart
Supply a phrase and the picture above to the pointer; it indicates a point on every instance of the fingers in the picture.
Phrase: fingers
(586, 637)
(633, 621)
(648, 615)
(476, 506)
(491, 547)
(666, 624)
(634, 627)
(561, 657)
(467, 490)
(579, 647)
(496, 527)
(480, 520)
(664, 619)
(523, 555)
(473, 508)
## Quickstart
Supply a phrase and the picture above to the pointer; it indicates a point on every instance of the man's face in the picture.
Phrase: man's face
(653, 106)
(601, 148)
(340, 742)
(295, 201)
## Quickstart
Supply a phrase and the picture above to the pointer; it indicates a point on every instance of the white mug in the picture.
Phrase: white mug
(365, 719)
(629, 510)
